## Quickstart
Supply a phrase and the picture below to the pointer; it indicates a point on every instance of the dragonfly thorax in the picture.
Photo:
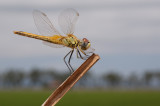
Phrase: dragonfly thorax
(70, 42)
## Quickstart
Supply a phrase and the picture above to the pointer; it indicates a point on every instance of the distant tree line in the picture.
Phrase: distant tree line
(35, 78)
(38, 78)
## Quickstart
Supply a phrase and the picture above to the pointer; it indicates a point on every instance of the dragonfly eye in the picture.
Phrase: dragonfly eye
(85, 44)
(85, 40)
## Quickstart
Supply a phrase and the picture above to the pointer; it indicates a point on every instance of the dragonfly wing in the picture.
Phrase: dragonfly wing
(43, 24)
(53, 45)
(89, 50)
(67, 20)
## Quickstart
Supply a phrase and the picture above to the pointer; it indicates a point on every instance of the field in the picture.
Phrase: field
(82, 98)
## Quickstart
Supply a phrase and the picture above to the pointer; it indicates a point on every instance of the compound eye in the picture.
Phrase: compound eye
(85, 40)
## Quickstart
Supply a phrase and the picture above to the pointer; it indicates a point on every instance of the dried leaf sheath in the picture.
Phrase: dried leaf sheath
(70, 81)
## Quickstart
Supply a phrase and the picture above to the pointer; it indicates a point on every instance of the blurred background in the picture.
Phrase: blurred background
(125, 33)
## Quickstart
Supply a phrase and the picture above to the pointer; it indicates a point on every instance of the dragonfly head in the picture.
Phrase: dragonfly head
(85, 44)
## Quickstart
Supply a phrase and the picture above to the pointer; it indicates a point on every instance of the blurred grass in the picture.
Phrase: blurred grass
(82, 98)
(23, 98)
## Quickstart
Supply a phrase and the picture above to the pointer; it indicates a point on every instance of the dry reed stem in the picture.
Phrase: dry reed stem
(70, 81)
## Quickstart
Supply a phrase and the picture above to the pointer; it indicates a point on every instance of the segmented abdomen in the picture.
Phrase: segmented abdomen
(52, 39)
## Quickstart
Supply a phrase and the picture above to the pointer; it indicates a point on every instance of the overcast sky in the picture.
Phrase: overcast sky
(125, 33)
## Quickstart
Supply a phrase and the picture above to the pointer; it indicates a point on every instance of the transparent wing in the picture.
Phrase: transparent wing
(53, 45)
(43, 24)
(89, 50)
(67, 20)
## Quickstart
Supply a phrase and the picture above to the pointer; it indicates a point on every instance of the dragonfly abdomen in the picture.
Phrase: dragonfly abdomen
(40, 37)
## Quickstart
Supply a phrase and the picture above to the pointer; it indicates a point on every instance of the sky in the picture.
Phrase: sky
(125, 33)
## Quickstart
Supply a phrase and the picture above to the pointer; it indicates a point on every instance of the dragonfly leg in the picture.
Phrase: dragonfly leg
(70, 60)
(66, 62)
(85, 57)
(80, 54)
(77, 53)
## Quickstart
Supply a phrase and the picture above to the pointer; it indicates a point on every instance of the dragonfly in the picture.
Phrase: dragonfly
(51, 36)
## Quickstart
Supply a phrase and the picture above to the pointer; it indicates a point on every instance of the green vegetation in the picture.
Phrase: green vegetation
(82, 98)
(23, 98)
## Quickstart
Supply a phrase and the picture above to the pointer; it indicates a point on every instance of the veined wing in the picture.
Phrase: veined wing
(67, 20)
(45, 27)
(89, 50)
(53, 45)
(43, 24)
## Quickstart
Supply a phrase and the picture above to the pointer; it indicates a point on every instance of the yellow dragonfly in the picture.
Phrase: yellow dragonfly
(51, 37)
